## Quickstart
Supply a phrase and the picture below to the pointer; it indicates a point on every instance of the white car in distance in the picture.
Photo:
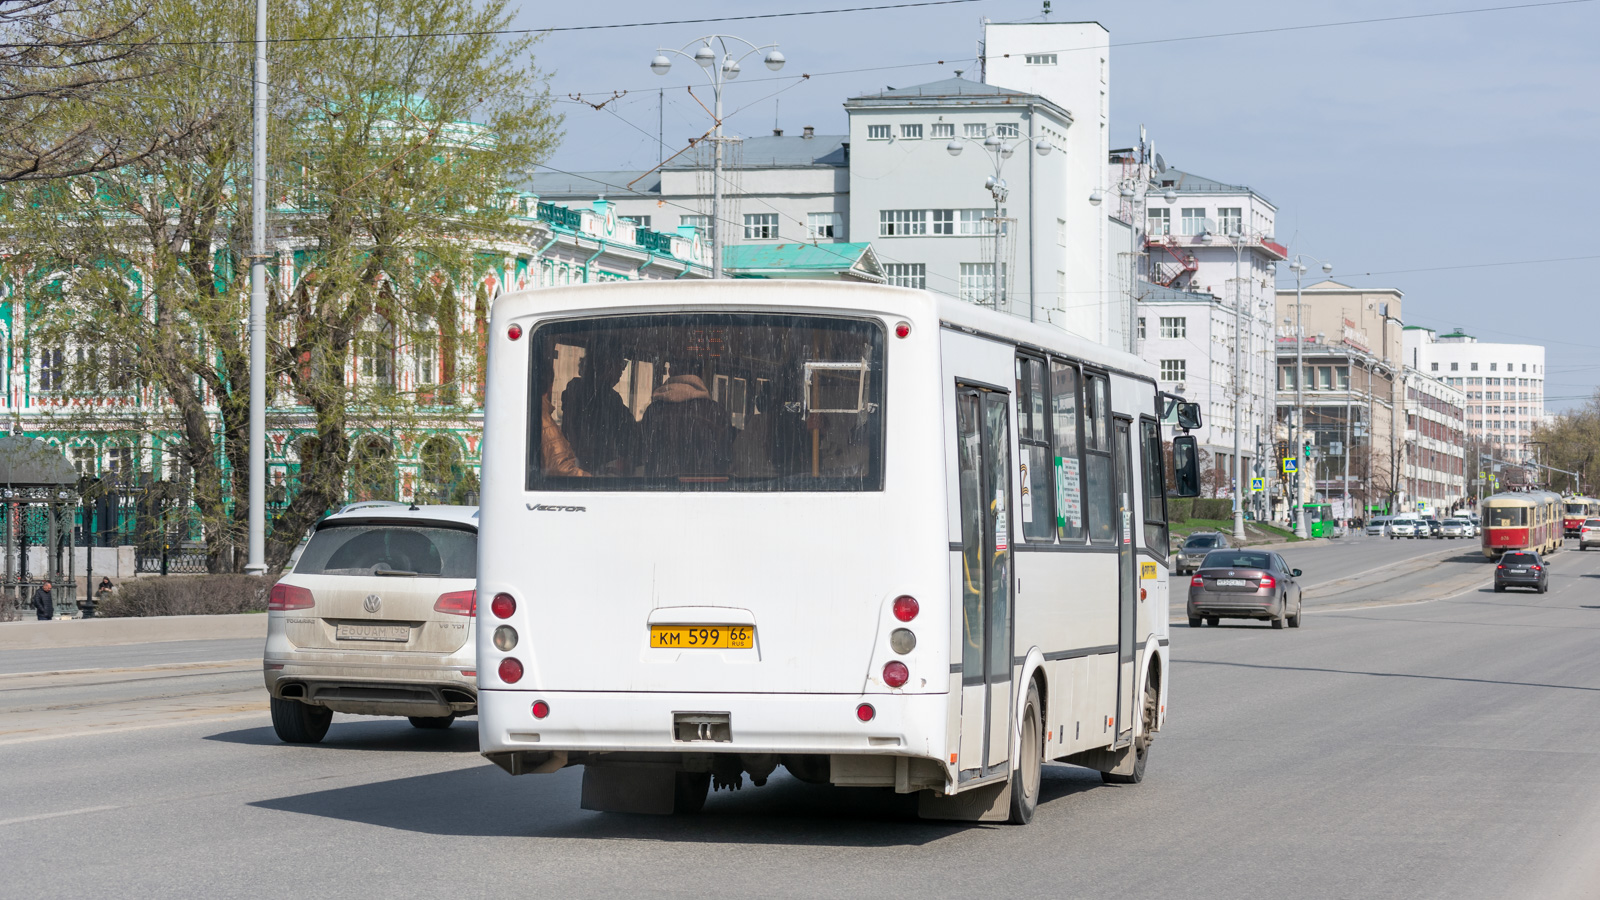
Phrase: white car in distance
(1407, 527)
(1589, 534)
(376, 619)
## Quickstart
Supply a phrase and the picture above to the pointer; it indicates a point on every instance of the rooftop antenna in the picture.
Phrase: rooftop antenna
(959, 71)
(1046, 9)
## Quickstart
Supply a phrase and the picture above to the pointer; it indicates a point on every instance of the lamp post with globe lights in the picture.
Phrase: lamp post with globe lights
(999, 151)
(1134, 196)
(1298, 424)
(714, 54)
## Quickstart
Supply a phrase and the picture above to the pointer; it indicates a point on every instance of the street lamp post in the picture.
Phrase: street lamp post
(1298, 419)
(1238, 239)
(999, 151)
(720, 66)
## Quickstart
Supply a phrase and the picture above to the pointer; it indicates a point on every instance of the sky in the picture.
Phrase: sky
(1418, 154)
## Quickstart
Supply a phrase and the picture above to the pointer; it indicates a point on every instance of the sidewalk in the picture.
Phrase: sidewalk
(106, 632)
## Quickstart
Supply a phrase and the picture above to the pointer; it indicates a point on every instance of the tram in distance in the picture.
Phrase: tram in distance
(879, 537)
(1522, 520)
(1575, 511)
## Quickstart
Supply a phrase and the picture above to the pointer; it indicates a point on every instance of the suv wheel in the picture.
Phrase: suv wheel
(300, 723)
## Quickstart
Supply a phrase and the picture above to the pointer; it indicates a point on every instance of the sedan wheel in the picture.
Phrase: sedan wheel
(1299, 610)
(1213, 621)
(1194, 621)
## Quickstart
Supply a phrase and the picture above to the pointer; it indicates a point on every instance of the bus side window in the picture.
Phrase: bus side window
(1038, 513)
(1068, 469)
(1097, 458)
(1155, 488)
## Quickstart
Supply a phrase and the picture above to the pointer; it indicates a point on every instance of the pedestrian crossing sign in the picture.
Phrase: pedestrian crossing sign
(1257, 485)
(1291, 465)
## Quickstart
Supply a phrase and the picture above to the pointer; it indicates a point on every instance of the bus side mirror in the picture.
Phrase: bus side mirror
(1188, 415)
(1185, 466)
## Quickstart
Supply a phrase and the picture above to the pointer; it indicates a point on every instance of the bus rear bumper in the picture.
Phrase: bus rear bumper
(580, 723)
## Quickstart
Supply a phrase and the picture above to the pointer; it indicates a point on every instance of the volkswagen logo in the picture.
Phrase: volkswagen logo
(372, 604)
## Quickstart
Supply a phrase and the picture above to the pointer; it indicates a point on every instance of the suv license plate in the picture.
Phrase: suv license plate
(397, 633)
(1231, 582)
(703, 637)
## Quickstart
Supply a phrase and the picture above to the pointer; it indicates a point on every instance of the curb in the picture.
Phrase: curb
(150, 629)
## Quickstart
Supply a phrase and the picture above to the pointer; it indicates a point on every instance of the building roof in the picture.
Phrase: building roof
(1189, 183)
(853, 261)
(775, 151)
(955, 91)
(1150, 292)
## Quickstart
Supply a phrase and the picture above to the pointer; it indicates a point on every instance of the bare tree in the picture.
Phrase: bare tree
(65, 74)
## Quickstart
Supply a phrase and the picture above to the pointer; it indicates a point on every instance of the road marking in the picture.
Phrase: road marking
(56, 815)
(156, 667)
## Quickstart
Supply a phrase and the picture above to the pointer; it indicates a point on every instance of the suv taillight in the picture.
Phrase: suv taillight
(457, 603)
(288, 596)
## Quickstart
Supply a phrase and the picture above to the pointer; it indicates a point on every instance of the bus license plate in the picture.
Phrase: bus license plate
(703, 637)
(1231, 582)
(396, 633)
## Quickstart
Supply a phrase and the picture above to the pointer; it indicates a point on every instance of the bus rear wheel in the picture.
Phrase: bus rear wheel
(689, 791)
(1028, 774)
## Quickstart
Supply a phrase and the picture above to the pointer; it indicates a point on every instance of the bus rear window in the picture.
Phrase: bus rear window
(1507, 516)
(707, 402)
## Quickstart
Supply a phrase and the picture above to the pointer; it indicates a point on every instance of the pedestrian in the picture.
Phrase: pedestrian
(44, 603)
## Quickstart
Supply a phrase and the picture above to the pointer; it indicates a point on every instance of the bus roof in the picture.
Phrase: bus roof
(882, 299)
(1521, 498)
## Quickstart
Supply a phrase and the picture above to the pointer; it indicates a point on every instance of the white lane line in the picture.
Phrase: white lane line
(56, 815)
(123, 670)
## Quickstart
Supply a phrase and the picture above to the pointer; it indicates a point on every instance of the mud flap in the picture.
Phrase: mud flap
(1105, 759)
(989, 803)
(629, 789)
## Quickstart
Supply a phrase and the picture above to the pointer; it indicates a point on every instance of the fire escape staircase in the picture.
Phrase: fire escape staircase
(1167, 273)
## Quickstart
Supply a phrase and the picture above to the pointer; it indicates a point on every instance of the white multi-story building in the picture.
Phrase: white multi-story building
(1208, 251)
(776, 188)
(1434, 473)
(1503, 383)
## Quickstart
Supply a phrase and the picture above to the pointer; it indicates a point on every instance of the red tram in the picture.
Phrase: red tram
(1575, 510)
(1522, 520)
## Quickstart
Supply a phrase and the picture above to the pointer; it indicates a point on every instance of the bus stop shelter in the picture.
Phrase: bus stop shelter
(37, 499)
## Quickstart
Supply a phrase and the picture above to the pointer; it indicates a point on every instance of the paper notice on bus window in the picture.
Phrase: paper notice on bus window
(1068, 498)
(1002, 531)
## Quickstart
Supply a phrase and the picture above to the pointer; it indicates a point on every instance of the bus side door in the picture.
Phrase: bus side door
(984, 453)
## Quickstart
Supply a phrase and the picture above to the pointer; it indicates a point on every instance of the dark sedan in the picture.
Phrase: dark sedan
(1521, 569)
(1194, 549)
(1245, 584)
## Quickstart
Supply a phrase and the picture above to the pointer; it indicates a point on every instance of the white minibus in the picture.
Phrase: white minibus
(874, 535)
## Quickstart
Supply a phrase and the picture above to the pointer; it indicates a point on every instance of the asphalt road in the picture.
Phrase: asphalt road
(1428, 749)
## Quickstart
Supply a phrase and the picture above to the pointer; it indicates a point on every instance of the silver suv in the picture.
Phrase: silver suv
(376, 619)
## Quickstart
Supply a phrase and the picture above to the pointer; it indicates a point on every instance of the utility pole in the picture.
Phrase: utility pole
(256, 562)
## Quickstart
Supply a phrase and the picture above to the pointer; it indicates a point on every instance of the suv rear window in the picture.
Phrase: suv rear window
(404, 551)
(1520, 559)
(1203, 540)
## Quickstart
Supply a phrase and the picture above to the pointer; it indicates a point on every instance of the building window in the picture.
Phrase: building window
(1474, 367)
(944, 221)
(1492, 366)
(1524, 367)
(701, 224)
(1039, 59)
(978, 221)
(1007, 130)
(1174, 326)
(943, 130)
(638, 221)
(85, 459)
(1230, 219)
(52, 369)
(910, 275)
(1061, 288)
(822, 225)
(902, 222)
(977, 284)
(1159, 223)
(760, 226)
(1455, 367)
(1174, 369)
(877, 132)
(1434, 367)
(912, 132)
(1194, 220)
(975, 130)
(1061, 232)
(1141, 328)
(120, 463)
(425, 357)
(375, 353)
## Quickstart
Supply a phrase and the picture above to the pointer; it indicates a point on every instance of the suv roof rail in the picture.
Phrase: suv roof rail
(370, 504)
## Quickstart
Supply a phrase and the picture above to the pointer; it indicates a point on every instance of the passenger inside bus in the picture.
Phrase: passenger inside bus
(711, 402)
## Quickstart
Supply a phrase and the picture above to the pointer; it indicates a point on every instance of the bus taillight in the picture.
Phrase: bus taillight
(865, 712)
(510, 670)
(503, 605)
(905, 608)
(896, 674)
